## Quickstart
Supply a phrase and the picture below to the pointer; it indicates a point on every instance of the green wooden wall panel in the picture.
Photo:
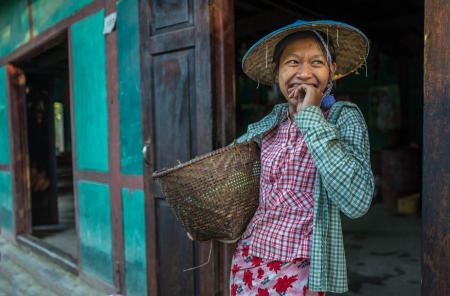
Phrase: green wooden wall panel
(95, 229)
(90, 104)
(129, 87)
(6, 205)
(47, 13)
(134, 241)
(4, 134)
(14, 26)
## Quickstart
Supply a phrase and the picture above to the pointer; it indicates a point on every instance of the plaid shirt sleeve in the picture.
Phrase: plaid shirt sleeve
(341, 153)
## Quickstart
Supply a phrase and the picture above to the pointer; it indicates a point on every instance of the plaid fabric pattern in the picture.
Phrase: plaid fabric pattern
(281, 228)
(339, 146)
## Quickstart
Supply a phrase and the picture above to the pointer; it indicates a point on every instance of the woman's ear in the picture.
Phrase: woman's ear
(333, 68)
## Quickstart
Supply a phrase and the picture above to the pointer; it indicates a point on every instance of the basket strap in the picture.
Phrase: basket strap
(201, 265)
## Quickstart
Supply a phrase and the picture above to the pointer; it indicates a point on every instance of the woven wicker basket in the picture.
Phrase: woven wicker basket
(214, 196)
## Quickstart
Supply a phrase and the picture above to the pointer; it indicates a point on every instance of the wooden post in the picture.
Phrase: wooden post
(436, 143)
(224, 93)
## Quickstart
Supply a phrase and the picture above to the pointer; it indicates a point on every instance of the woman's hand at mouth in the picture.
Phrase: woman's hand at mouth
(304, 95)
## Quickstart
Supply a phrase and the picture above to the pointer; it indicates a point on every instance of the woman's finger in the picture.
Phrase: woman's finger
(301, 92)
(291, 92)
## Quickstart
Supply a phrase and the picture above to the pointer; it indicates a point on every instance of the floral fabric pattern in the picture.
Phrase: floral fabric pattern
(254, 276)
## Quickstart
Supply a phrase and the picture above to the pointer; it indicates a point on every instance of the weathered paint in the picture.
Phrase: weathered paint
(14, 27)
(95, 229)
(47, 13)
(4, 134)
(129, 87)
(90, 104)
(134, 240)
(6, 207)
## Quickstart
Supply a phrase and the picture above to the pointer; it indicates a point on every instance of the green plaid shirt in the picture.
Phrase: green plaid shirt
(340, 148)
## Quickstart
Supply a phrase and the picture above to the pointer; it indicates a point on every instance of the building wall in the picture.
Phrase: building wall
(89, 92)
(129, 87)
(14, 26)
(6, 201)
(91, 128)
(14, 19)
(4, 133)
(47, 13)
(91, 134)
(129, 97)
(95, 229)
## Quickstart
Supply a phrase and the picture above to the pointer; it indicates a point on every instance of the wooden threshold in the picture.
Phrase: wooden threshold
(55, 255)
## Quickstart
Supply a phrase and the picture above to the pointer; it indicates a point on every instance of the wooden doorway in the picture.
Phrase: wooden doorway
(159, 58)
(42, 163)
(177, 106)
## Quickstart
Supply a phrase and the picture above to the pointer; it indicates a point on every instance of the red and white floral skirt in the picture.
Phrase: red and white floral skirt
(254, 276)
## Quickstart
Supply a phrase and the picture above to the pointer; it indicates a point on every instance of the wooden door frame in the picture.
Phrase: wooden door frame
(213, 277)
(224, 119)
(436, 143)
(20, 170)
(18, 130)
(18, 151)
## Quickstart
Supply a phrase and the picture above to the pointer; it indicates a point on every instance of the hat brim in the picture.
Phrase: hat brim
(351, 47)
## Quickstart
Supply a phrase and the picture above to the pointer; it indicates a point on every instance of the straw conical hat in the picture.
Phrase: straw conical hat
(351, 47)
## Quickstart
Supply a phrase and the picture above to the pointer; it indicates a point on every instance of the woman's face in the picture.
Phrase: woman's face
(303, 62)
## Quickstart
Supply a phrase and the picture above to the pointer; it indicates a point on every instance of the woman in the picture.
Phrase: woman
(314, 163)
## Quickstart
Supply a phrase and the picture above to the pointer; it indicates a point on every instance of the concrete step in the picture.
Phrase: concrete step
(24, 273)
(14, 280)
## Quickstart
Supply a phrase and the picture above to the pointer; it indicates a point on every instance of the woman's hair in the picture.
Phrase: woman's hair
(280, 47)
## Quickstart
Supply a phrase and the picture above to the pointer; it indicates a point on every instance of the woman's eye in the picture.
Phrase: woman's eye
(318, 62)
(291, 62)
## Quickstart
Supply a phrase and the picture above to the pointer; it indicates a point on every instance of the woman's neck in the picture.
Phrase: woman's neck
(292, 111)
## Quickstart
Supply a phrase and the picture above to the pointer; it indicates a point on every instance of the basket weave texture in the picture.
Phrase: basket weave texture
(214, 196)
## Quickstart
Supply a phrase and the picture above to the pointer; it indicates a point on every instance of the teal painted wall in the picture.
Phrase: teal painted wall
(14, 26)
(95, 229)
(4, 134)
(47, 13)
(6, 207)
(90, 104)
(6, 217)
(129, 87)
(134, 240)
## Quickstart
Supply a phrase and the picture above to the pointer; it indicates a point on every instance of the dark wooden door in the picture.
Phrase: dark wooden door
(177, 125)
